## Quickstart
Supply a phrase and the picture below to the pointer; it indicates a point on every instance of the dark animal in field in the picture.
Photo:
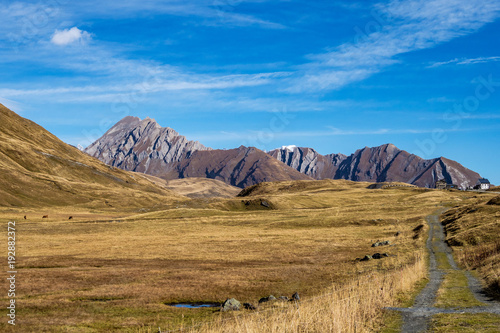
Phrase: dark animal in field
(45, 217)
(70, 218)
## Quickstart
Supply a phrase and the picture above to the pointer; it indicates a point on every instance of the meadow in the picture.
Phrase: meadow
(120, 269)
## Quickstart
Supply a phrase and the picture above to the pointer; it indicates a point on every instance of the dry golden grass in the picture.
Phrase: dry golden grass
(39, 170)
(355, 306)
(112, 270)
(202, 187)
(473, 230)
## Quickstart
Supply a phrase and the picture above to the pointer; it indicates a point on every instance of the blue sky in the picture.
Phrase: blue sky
(332, 75)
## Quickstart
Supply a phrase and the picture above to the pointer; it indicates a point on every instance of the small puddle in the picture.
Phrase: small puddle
(194, 305)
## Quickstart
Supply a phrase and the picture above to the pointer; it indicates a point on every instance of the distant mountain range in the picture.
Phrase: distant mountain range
(385, 163)
(144, 146)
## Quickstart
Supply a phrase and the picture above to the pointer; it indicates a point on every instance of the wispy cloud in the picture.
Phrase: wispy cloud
(214, 12)
(482, 116)
(442, 99)
(464, 61)
(404, 26)
(154, 84)
(251, 135)
(13, 105)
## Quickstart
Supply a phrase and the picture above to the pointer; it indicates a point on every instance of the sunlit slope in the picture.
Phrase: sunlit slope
(38, 169)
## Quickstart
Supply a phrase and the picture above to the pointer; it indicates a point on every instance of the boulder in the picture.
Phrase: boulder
(249, 306)
(269, 298)
(265, 204)
(379, 255)
(230, 304)
(295, 297)
(366, 258)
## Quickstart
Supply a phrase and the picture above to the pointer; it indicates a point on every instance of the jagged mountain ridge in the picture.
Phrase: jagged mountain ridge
(144, 146)
(385, 163)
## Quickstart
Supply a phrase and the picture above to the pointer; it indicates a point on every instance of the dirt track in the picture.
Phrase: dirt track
(417, 318)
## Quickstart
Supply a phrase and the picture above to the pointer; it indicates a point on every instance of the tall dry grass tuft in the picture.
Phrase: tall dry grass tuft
(356, 306)
(474, 256)
(484, 257)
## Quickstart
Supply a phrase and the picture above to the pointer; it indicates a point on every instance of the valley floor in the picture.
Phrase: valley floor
(105, 271)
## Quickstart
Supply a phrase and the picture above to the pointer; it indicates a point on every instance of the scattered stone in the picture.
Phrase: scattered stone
(230, 304)
(381, 243)
(283, 298)
(269, 298)
(295, 297)
(249, 306)
(379, 256)
(397, 233)
(264, 203)
(366, 258)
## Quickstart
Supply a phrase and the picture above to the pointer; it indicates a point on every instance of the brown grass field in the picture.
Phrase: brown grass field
(472, 232)
(116, 270)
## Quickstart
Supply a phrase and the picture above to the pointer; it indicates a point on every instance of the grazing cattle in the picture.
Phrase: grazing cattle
(70, 218)
(25, 217)
(45, 217)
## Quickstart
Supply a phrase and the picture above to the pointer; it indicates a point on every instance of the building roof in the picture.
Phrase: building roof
(483, 181)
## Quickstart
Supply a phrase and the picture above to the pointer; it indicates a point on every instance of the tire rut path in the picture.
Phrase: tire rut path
(417, 318)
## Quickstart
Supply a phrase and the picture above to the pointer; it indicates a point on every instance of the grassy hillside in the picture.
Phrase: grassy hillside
(472, 230)
(202, 188)
(107, 271)
(40, 170)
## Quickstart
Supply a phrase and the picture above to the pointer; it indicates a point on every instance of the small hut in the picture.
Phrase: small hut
(441, 184)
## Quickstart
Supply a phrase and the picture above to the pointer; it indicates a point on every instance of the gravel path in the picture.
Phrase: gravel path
(417, 318)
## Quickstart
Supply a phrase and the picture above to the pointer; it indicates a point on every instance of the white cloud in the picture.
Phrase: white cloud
(464, 61)
(406, 26)
(69, 36)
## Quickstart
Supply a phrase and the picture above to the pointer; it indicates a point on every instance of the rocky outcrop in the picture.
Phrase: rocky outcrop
(309, 161)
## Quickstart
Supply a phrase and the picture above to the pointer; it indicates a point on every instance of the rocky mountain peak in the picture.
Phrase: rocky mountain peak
(142, 145)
